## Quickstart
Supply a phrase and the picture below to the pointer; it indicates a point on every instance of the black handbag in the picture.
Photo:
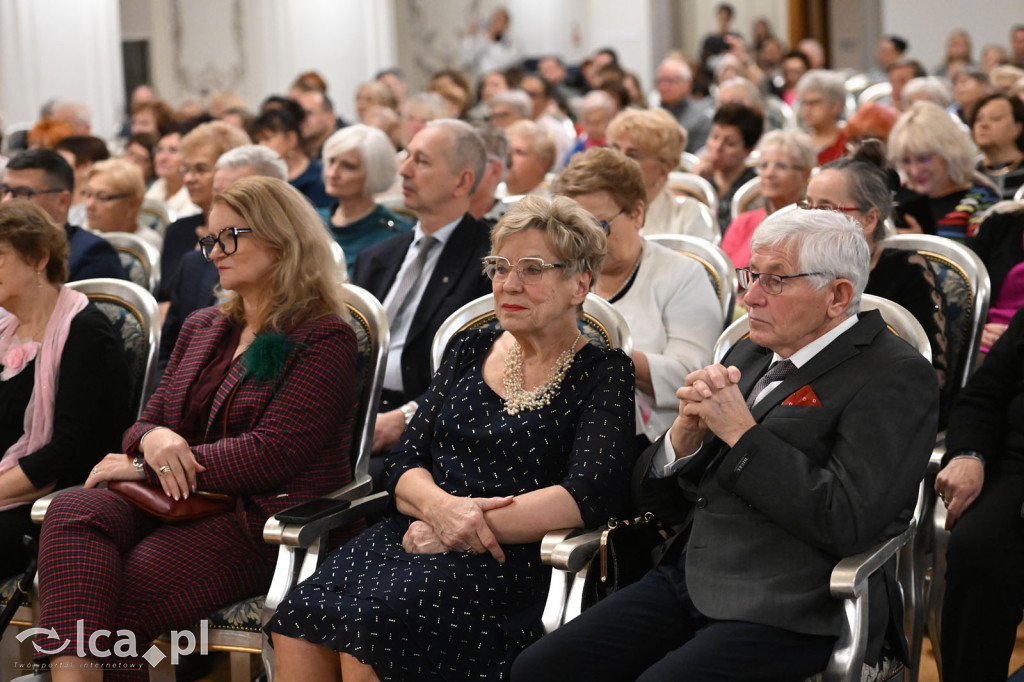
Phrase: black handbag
(624, 556)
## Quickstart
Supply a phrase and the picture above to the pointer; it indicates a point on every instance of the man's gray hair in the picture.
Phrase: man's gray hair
(825, 242)
(496, 144)
(929, 87)
(263, 160)
(466, 150)
(518, 100)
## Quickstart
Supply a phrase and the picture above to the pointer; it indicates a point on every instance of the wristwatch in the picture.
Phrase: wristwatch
(140, 466)
(407, 411)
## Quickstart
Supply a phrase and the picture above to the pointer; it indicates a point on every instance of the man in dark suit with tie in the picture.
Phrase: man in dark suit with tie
(772, 475)
(425, 275)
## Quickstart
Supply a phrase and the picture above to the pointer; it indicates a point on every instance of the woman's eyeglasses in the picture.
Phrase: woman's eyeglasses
(770, 282)
(606, 225)
(226, 239)
(530, 270)
(808, 206)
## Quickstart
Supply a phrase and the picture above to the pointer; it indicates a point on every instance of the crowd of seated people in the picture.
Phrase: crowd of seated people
(411, 193)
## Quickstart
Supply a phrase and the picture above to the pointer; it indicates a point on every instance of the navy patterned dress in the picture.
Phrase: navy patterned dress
(453, 616)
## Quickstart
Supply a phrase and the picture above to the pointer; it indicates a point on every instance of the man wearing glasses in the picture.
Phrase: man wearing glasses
(805, 446)
(43, 177)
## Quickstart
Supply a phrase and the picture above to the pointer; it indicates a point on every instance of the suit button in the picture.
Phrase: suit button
(702, 502)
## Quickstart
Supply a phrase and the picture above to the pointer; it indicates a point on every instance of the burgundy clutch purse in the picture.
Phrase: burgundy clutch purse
(155, 502)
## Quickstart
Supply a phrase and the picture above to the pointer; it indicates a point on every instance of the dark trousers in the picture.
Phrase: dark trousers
(651, 632)
(15, 524)
(984, 584)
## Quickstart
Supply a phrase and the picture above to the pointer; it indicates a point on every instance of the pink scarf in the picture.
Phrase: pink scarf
(39, 413)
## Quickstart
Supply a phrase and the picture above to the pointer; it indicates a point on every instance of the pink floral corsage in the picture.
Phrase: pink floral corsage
(16, 357)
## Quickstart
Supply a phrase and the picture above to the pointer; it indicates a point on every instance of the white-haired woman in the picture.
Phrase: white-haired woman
(822, 94)
(359, 162)
(936, 158)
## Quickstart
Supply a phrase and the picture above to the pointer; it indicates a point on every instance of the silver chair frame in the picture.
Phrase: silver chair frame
(720, 269)
(141, 250)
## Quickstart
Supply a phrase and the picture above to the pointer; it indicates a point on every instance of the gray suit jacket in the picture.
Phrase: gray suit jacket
(766, 521)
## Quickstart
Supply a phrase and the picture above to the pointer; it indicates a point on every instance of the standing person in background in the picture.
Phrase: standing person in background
(491, 49)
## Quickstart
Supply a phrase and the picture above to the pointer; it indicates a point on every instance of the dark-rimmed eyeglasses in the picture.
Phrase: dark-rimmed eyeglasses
(226, 239)
(530, 270)
(770, 282)
(25, 192)
(808, 206)
(606, 225)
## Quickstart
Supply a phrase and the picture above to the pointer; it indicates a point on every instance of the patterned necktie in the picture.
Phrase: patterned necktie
(777, 372)
(409, 279)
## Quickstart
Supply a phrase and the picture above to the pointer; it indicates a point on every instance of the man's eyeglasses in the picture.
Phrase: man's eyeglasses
(25, 192)
(530, 270)
(226, 239)
(808, 206)
(770, 283)
(101, 196)
(606, 225)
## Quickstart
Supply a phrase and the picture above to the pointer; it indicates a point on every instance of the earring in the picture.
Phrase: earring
(39, 278)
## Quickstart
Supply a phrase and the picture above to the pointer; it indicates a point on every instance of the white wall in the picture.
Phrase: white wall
(927, 23)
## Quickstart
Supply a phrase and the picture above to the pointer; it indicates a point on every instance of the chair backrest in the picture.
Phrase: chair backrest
(1018, 196)
(963, 280)
(782, 110)
(141, 260)
(372, 338)
(602, 324)
(693, 185)
(717, 265)
(688, 161)
(747, 197)
(157, 214)
(875, 92)
(898, 319)
(136, 318)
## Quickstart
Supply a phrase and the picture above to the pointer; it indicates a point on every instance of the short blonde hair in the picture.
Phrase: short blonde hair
(576, 238)
(543, 142)
(796, 143)
(124, 175)
(218, 135)
(927, 129)
(600, 169)
(653, 130)
(304, 282)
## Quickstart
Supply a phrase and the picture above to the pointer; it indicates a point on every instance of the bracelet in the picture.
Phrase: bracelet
(143, 436)
(973, 454)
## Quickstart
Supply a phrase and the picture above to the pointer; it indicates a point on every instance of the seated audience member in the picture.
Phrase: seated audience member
(675, 86)
(508, 107)
(927, 89)
(385, 119)
(541, 98)
(257, 403)
(871, 121)
(654, 140)
(992, 55)
(631, 82)
(1003, 77)
(169, 187)
(821, 96)
(200, 150)
(900, 73)
(194, 285)
(1000, 245)
(463, 541)
(980, 484)
(64, 385)
(81, 152)
(492, 83)
(858, 186)
(239, 117)
(373, 93)
(360, 163)
(419, 110)
(958, 54)
(734, 134)
(281, 130)
(43, 177)
(969, 86)
(454, 89)
(394, 79)
(785, 160)
(531, 156)
(596, 110)
(113, 197)
(75, 114)
(742, 91)
(890, 49)
(154, 117)
(139, 149)
(998, 128)
(483, 205)
(937, 159)
(794, 65)
(319, 121)
(783, 491)
(221, 101)
(659, 291)
(425, 275)
(47, 132)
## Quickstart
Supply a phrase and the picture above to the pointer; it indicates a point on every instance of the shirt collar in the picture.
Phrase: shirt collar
(441, 235)
(804, 355)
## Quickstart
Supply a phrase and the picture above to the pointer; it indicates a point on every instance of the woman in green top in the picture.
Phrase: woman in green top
(359, 162)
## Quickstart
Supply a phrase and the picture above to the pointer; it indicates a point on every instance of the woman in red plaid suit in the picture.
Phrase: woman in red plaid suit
(257, 402)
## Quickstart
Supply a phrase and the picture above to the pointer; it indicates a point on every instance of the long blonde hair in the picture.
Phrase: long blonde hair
(305, 281)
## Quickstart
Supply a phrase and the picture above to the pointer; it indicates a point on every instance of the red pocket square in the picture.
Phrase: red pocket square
(805, 397)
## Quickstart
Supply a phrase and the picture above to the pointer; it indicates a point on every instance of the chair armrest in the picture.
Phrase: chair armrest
(938, 452)
(41, 504)
(303, 535)
(850, 576)
(573, 551)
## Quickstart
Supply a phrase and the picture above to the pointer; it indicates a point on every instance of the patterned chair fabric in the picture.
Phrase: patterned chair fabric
(140, 259)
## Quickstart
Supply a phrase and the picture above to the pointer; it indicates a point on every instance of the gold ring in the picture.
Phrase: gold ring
(165, 469)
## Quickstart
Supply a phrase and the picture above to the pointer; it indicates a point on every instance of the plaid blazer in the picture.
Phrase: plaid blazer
(287, 440)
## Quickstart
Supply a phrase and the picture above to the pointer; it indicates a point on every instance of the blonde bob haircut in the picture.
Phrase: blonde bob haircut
(654, 131)
(218, 135)
(575, 237)
(304, 282)
(926, 129)
(125, 176)
(600, 169)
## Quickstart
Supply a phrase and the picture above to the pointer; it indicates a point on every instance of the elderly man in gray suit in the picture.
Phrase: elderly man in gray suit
(806, 445)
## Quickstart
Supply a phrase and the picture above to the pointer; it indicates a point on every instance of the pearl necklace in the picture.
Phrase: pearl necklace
(517, 398)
